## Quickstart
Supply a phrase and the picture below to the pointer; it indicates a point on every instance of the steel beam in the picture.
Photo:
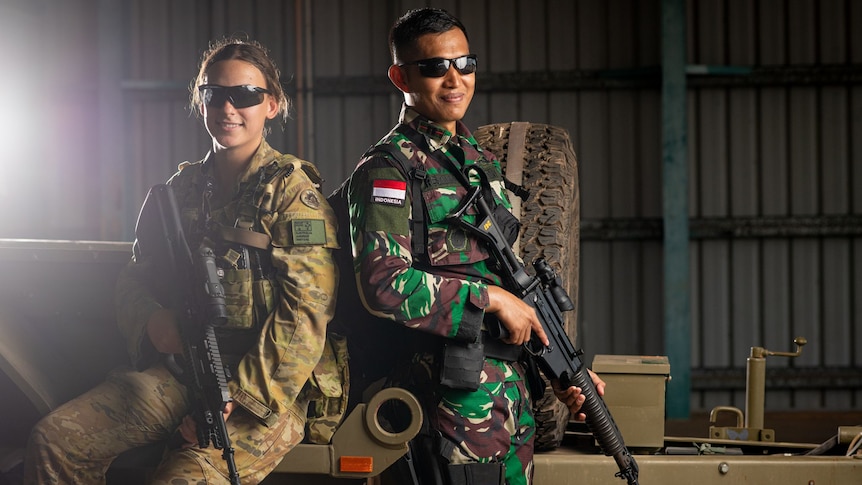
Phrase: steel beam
(677, 306)
(817, 226)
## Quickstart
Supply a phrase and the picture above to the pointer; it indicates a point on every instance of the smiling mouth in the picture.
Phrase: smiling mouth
(229, 126)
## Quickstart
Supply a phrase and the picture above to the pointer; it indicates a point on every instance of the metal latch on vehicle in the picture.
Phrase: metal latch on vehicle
(749, 426)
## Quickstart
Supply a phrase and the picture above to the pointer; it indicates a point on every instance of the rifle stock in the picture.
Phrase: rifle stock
(559, 359)
(194, 291)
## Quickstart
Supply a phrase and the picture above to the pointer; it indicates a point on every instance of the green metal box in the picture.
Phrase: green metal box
(635, 395)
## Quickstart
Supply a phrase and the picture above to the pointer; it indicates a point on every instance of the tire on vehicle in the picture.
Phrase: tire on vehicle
(550, 221)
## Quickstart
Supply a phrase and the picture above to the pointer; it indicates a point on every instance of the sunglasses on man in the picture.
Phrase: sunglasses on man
(438, 66)
(239, 96)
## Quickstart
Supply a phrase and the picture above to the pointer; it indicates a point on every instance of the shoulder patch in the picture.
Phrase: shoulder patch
(310, 198)
(389, 192)
(308, 232)
(387, 216)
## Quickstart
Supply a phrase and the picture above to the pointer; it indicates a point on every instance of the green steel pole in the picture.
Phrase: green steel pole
(677, 308)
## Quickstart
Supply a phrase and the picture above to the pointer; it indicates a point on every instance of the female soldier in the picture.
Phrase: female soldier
(272, 232)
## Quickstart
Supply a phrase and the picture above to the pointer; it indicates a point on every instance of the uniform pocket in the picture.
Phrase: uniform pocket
(239, 299)
(329, 390)
(262, 293)
(450, 244)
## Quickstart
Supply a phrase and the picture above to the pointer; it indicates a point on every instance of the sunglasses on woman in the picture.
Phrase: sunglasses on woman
(438, 66)
(239, 96)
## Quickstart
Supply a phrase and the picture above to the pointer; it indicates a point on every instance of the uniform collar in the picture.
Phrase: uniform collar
(262, 157)
(436, 135)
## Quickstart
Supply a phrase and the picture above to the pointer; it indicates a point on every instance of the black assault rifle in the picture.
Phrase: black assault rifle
(190, 285)
(559, 359)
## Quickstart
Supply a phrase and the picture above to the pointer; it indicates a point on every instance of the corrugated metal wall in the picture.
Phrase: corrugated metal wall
(774, 128)
(778, 147)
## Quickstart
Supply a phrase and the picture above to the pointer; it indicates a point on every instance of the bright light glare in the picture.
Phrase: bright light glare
(24, 110)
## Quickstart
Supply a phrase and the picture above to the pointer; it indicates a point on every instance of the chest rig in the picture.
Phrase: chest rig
(243, 248)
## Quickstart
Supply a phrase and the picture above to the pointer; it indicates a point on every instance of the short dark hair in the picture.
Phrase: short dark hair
(418, 22)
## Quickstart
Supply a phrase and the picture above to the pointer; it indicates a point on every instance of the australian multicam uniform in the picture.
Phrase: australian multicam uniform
(276, 336)
(443, 293)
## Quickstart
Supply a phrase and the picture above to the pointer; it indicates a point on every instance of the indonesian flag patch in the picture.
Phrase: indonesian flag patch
(389, 192)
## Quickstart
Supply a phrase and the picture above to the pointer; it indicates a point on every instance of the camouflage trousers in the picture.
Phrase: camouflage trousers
(493, 424)
(77, 442)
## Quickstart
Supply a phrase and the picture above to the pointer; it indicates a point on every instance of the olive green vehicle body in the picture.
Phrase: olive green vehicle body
(745, 453)
(57, 339)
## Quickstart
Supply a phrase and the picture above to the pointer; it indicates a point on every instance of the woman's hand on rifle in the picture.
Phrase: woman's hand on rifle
(189, 430)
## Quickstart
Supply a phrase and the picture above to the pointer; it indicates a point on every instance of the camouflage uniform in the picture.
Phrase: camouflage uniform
(442, 293)
(275, 343)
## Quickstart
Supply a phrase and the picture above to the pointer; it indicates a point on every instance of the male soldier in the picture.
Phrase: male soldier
(479, 430)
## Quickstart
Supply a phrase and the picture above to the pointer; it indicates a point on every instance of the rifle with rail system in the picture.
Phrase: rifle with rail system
(190, 285)
(559, 359)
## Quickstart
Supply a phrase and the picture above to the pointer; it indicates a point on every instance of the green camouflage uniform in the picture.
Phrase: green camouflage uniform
(275, 344)
(442, 293)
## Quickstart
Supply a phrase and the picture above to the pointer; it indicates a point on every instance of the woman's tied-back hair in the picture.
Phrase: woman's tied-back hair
(244, 50)
(416, 23)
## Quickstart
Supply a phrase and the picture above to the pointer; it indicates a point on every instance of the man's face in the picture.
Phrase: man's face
(444, 100)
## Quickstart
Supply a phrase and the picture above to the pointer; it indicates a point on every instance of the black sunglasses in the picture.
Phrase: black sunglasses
(438, 66)
(239, 96)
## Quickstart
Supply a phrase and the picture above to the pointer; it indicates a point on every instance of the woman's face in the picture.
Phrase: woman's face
(232, 128)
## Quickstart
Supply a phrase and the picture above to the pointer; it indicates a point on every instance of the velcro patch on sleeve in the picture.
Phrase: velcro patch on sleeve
(380, 217)
(308, 232)
(389, 192)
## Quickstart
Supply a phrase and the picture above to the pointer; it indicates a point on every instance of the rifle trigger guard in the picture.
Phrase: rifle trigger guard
(537, 353)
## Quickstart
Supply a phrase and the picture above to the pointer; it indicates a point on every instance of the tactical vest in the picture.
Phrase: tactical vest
(249, 281)
(376, 344)
(242, 246)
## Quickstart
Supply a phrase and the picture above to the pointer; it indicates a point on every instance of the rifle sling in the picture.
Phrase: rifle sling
(515, 165)
(516, 151)
(246, 237)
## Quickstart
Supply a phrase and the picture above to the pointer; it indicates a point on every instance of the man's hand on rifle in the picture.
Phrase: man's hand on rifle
(572, 397)
(519, 318)
(189, 430)
(164, 333)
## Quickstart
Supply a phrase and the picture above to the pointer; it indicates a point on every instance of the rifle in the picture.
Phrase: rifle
(194, 291)
(559, 359)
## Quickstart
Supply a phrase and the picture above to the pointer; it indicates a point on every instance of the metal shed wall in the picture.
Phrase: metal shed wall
(778, 149)
(774, 107)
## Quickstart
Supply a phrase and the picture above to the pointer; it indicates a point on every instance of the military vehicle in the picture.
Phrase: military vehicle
(58, 338)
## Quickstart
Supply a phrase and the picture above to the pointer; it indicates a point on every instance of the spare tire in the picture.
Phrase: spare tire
(541, 159)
